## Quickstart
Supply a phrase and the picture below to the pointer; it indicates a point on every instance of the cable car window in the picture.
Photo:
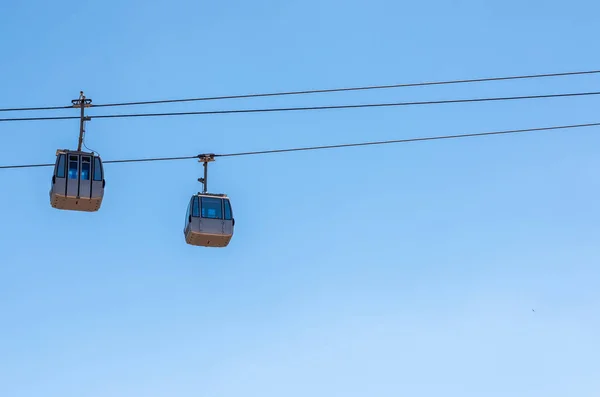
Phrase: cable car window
(73, 163)
(195, 209)
(60, 169)
(97, 169)
(85, 168)
(211, 208)
(187, 213)
(227, 209)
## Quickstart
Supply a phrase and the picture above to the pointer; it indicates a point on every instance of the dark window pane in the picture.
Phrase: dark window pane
(60, 169)
(211, 208)
(227, 209)
(97, 169)
(187, 212)
(195, 209)
(85, 168)
(73, 165)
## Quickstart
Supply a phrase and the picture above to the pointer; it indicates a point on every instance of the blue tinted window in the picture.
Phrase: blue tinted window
(73, 162)
(60, 168)
(211, 208)
(187, 213)
(97, 169)
(195, 208)
(227, 206)
(86, 165)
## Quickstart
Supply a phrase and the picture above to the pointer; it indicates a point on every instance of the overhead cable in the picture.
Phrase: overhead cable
(432, 138)
(316, 91)
(310, 108)
(150, 159)
(329, 90)
(346, 145)
(36, 108)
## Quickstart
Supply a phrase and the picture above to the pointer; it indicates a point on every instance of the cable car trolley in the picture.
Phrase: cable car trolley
(78, 181)
(209, 219)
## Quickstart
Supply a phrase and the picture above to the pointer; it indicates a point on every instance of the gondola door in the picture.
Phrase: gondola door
(211, 215)
(85, 177)
(72, 175)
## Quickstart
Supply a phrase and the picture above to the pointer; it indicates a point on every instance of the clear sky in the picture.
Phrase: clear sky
(400, 270)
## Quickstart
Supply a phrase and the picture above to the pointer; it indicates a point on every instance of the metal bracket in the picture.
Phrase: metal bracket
(87, 102)
(205, 159)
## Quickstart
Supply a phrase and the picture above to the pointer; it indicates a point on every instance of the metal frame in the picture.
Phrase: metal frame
(82, 103)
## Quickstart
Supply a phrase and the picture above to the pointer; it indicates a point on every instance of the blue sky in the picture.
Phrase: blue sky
(382, 271)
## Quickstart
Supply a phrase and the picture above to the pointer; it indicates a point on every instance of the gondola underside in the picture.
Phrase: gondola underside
(207, 240)
(63, 202)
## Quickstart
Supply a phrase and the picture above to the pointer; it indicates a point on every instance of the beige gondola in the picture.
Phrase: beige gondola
(78, 181)
(209, 219)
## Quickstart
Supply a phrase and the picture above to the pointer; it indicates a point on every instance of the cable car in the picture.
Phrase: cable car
(209, 220)
(78, 181)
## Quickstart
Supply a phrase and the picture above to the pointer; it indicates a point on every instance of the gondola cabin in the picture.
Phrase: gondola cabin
(78, 181)
(209, 220)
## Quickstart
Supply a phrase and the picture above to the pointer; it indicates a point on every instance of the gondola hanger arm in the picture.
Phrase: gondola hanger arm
(205, 159)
